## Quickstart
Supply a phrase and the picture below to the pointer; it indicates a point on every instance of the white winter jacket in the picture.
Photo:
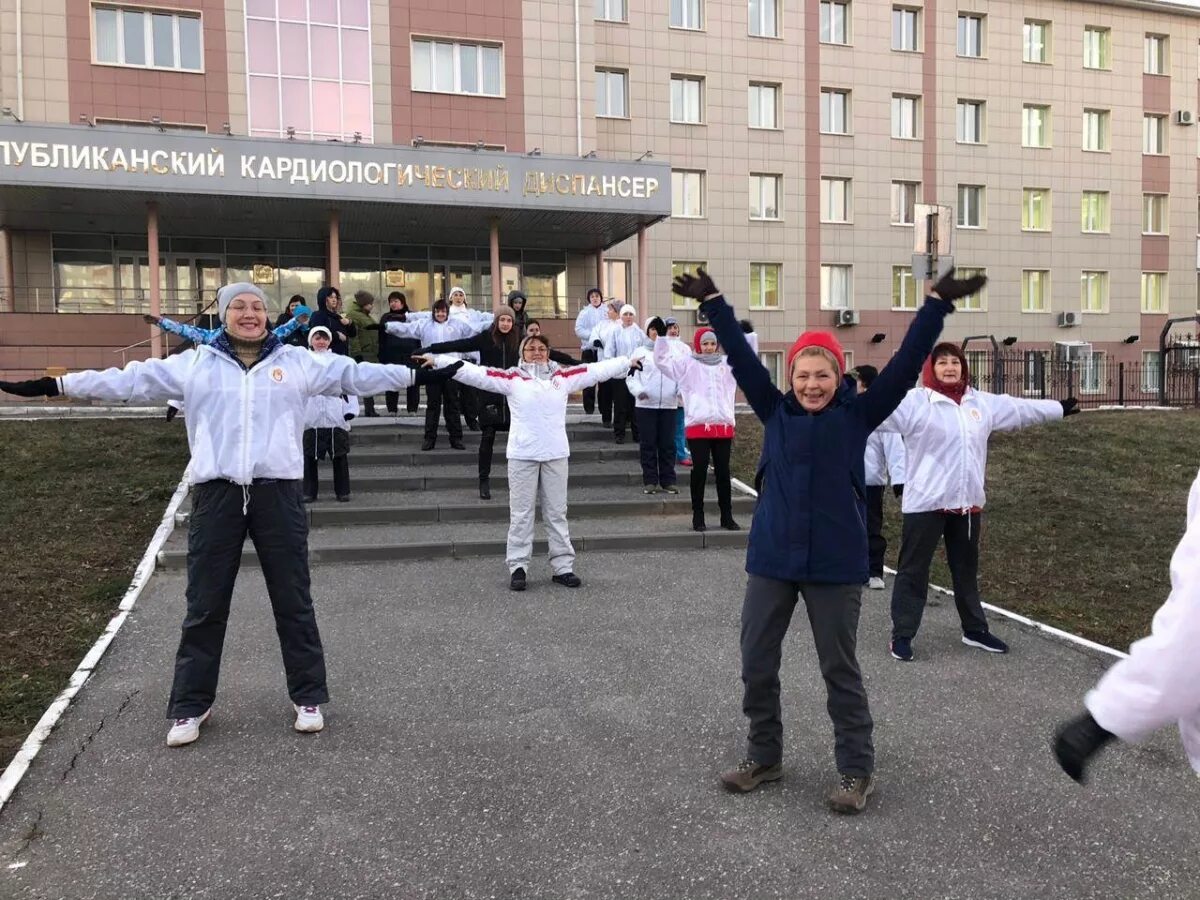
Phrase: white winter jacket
(946, 443)
(425, 329)
(241, 424)
(651, 389)
(538, 405)
(603, 332)
(624, 341)
(330, 412)
(587, 320)
(709, 392)
(884, 460)
(1157, 684)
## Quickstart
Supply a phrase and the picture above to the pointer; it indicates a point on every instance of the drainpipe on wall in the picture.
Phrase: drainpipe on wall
(578, 88)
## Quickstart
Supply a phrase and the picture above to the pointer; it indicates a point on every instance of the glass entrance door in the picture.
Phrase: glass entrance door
(465, 275)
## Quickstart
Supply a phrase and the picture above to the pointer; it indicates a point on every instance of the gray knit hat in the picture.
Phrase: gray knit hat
(226, 294)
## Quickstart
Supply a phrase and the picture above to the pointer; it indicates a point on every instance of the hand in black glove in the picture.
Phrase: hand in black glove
(37, 387)
(348, 416)
(149, 319)
(698, 286)
(1070, 406)
(898, 490)
(951, 288)
(635, 366)
(1077, 742)
(598, 344)
(437, 376)
(747, 326)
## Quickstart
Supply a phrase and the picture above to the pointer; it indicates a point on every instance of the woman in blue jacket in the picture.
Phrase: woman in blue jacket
(808, 538)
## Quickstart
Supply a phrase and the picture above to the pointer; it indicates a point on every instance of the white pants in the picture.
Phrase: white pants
(531, 483)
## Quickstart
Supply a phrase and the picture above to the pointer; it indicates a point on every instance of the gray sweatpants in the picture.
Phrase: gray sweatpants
(531, 483)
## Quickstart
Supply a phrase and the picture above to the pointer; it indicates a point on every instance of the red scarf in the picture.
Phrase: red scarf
(953, 391)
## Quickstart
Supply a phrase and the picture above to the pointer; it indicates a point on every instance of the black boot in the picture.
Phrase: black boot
(698, 520)
(369, 408)
(517, 582)
(485, 488)
(429, 443)
(1077, 742)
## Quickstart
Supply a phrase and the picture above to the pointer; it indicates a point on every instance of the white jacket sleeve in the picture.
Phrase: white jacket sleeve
(672, 358)
(893, 449)
(342, 375)
(582, 377)
(1010, 413)
(904, 417)
(144, 381)
(583, 330)
(409, 329)
(636, 381)
(477, 376)
(351, 405)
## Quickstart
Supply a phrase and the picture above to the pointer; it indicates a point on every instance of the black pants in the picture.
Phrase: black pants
(278, 525)
(656, 440)
(604, 397)
(833, 611)
(435, 396)
(589, 394)
(719, 449)
(876, 542)
(918, 542)
(487, 446)
(341, 477)
(468, 402)
(412, 399)
(623, 408)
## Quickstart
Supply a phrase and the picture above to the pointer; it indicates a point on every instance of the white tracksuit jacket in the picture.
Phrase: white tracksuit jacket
(603, 333)
(424, 328)
(651, 389)
(946, 443)
(1157, 684)
(884, 460)
(622, 341)
(330, 412)
(241, 424)
(709, 392)
(585, 323)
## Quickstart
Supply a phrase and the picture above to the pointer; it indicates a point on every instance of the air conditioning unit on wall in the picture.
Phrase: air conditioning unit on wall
(845, 317)
(1069, 319)
(1072, 351)
(1184, 117)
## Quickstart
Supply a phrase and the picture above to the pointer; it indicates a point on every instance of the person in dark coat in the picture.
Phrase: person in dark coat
(808, 539)
(517, 301)
(398, 350)
(329, 315)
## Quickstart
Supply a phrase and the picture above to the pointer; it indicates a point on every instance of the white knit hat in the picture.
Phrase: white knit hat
(629, 308)
(312, 332)
(226, 294)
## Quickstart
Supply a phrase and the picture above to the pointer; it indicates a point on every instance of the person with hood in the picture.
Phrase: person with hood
(1156, 684)
(398, 351)
(245, 395)
(599, 341)
(655, 396)
(533, 328)
(623, 340)
(683, 456)
(295, 308)
(808, 539)
(537, 391)
(328, 315)
(327, 430)
(590, 315)
(497, 348)
(517, 302)
(884, 461)
(945, 424)
(364, 346)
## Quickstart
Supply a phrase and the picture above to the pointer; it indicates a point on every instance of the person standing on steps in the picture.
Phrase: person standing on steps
(655, 396)
(590, 315)
(398, 351)
(884, 461)
(537, 391)
(808, 539)
(498, 349)
(624, 340)
(245, 396)
(476, 322)
(327, 430)
(517, 302)
(364, 346)
(599, 341)
(946, 424)
(683, 456)
(329, 315)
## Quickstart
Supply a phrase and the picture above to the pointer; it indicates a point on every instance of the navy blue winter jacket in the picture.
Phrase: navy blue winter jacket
(811, 521)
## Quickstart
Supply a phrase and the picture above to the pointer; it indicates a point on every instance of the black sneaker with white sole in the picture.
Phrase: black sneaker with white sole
(984, 640)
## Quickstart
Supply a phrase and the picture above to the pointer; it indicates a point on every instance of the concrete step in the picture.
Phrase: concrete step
(417, 480)
(412, 436)
(376, 455)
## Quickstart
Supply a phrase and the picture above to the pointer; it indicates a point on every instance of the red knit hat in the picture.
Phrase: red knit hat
(823, 339)
(699, 334)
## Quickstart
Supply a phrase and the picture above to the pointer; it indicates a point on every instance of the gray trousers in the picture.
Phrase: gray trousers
(833, 611)
(918, 542)
(531, 483)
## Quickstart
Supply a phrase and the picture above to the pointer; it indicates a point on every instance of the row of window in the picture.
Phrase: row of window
(762, 19)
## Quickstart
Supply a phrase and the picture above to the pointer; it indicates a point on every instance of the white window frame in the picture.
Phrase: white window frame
(1030, 384)
(1089, 279)
(827, 21)
(905, 285)
(761, 87)
(900, 205)
(1149, 280)
(1027, 126)
(687, 82)
(964, 37)
(763, 7)
(760, 301)
(678, 267)
(906, 29)
(689, 10)
(611, 264)
(846, 273)
(760, 183)
(1028, 196)
(1156, 57)
(1150, 362)
(605, 8)
(147, 37)
(977, 302)
(828, 123)
(1090, 368)
(965, 193)
(837, 195)
(609, 76)
(685, 190)
(1105, 200)
(1156, 207)
(902, 105)
(459, 48)
(1097, 52)
(1030, 43)
(1154, 134)
(971, 122)
(772, 361)
(1043, 283)
(1097, 130)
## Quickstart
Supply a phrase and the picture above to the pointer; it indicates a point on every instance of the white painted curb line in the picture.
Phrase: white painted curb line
(141, 575)
(1016, 617)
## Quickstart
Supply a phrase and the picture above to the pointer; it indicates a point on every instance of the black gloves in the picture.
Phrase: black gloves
(1070, 406)
(598, 344)
(898, 490)
(37, 387)
(1077, 742)
(698, 286)
(437, 376)
(172, 412)
(951, 288)
(747, 326)
(149, 319)
(348, 416)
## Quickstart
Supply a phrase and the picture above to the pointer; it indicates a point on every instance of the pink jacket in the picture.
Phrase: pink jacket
(708, 391)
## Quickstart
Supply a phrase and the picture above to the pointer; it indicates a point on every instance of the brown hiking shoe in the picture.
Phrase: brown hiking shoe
(850, 796)
(747, 775)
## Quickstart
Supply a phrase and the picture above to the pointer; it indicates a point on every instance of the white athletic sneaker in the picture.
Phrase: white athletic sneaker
(308, 718)
(184, 731)
(876, 583)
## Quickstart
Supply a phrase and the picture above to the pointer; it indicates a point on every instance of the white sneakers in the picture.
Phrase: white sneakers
(184, 731)
(308, 719)
(876, 583)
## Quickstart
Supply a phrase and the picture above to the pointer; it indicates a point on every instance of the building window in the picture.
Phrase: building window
(1157, 60)
(1154, 214)
(970, 122)
(1035, 290)
(1096, 129)
(835, 111)
(687, 194)
(450, 68)
(1035, 126)
(1090, 369)
(617, 281)
(764, 105)
(906, 114)
(612, 11)
(687, 14)
(1154, 135)
(1154, 292)
(764, 18)
(1093, 290)
(1035, 372)
(764, 285)
(147, 38)
(1097, 47)
(1094, 212)
(906, 29)
(837, 286)
(971, 206)
(836, 200)
(977, 302)
(970, 35)
(904, 288)
(904, 201)
(1150, 363)
(687, 100)
(1035, 209)
(835, 22)
(310, 74)
(764, 196)
(772, 361)
(1036, 42)
(612, 94)
(679, 267)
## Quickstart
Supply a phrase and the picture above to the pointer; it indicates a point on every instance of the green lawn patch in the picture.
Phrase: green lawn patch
(1081, 517)
(79, 501)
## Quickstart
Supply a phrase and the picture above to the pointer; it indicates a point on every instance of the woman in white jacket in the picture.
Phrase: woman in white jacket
(327, 430)
(1156, 684)
(590, 315)
(537, 391)
(655, 398)
(946, 424)
(245, 395)
(883, 462)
